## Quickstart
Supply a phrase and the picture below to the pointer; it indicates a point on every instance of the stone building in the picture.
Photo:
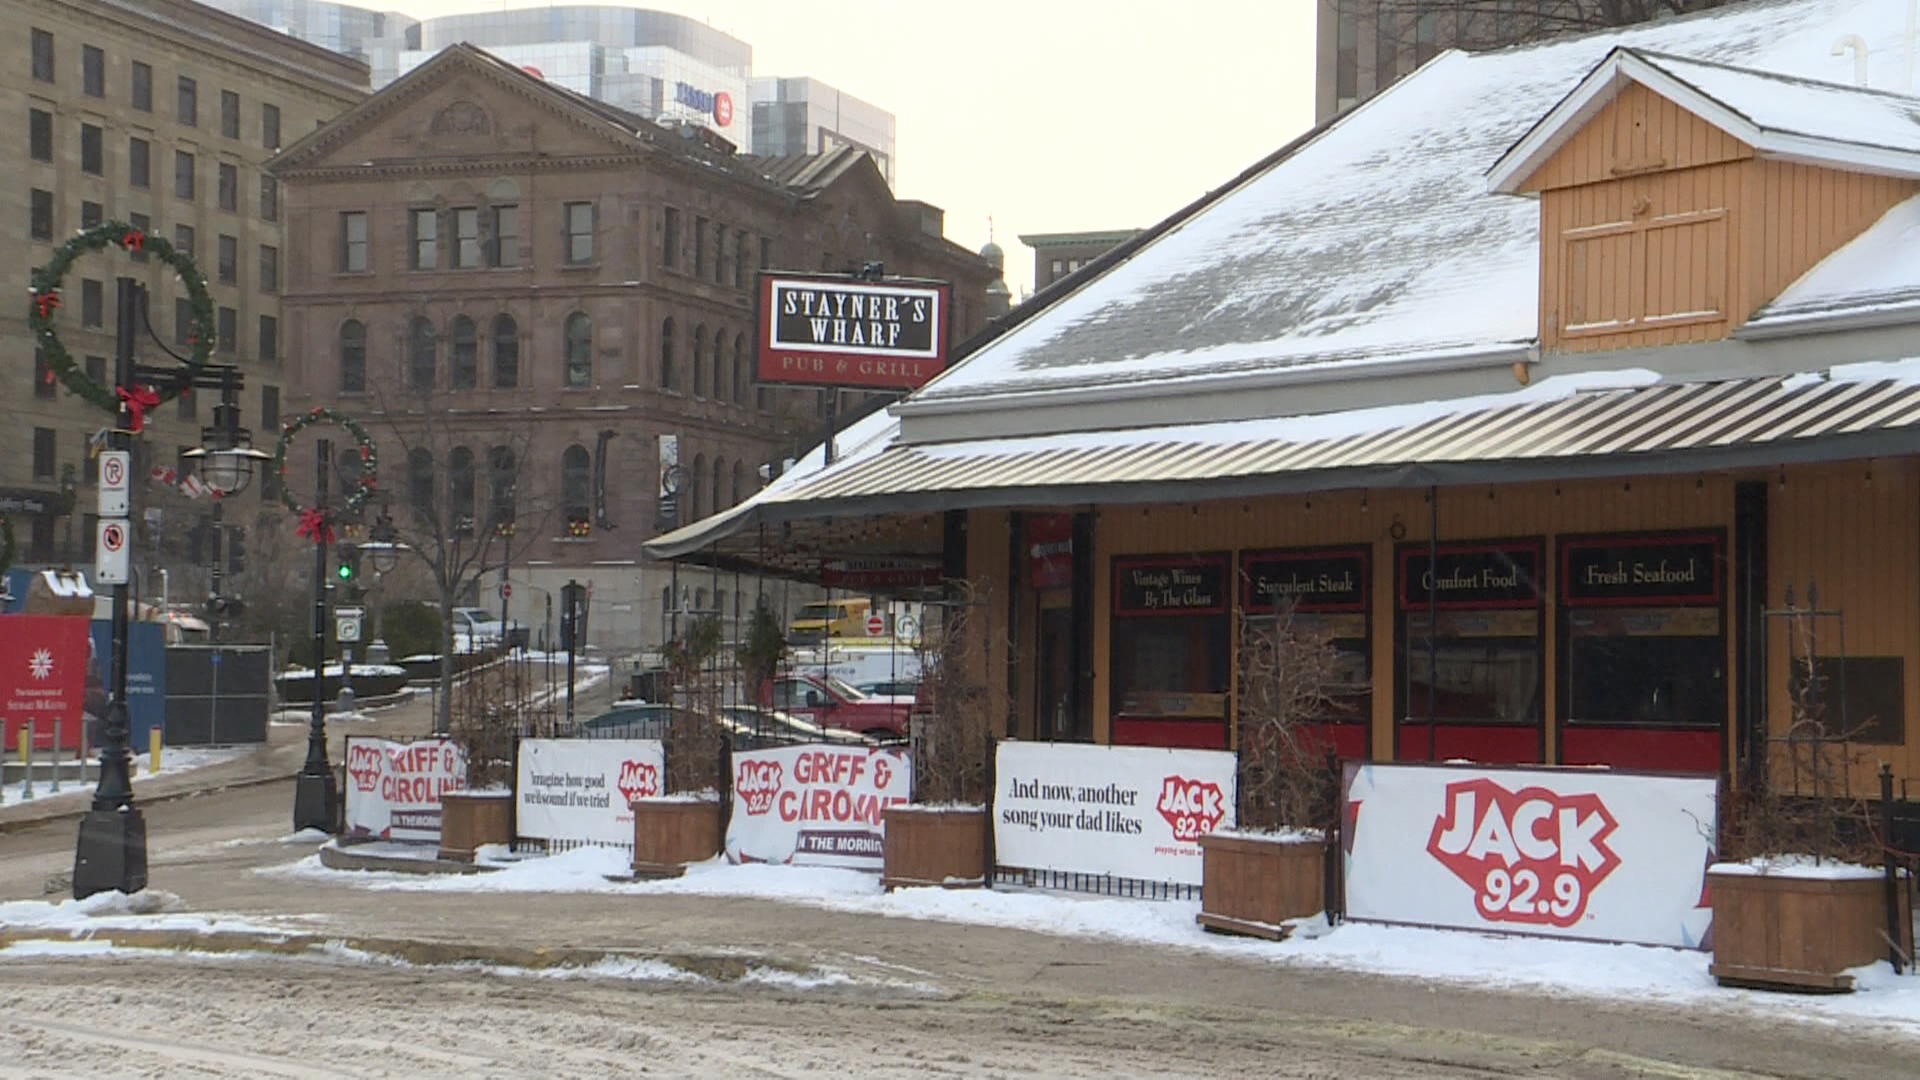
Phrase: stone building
(532, 295)
(160, 114)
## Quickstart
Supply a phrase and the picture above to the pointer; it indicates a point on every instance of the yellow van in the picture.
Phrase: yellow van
(830, 619)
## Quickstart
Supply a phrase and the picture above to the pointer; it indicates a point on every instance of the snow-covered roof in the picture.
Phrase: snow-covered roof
(1377, 242)
(1782, 116)
(1877, 277)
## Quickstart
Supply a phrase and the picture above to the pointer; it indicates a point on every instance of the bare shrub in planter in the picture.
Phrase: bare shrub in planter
(942, 838)
(688, 823)
(490, 709)
(1272, 868)
(1799, 901)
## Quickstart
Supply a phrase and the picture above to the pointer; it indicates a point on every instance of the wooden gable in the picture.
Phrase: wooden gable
(1659, 228)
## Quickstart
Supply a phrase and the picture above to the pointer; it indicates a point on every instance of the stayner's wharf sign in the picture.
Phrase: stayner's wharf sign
(844, 331)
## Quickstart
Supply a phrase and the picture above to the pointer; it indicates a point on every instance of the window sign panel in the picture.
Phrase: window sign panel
(1469, 639)
(1329, 588)
(1170, 647)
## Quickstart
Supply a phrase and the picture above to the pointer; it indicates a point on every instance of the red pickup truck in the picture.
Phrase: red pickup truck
(829, 702)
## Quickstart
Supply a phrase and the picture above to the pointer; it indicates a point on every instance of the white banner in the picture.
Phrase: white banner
(1577, 853)
(578, 789)
(817, 805)
(393, 788)
(1124, 811)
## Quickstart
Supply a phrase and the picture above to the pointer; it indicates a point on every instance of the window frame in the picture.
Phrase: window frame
(350, 247)
(186, 100)
(93, 149)
(39, 135)
(41, 47)
(423, 246)
(140, 86)
(573, 237)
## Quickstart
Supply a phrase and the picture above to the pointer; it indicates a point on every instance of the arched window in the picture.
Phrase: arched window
(740, 488)
(506, 352)
(579, 349)
(420, 482)
(576, 487)
(422, 358)
(742, 369)
(697, 491)
(720, 475)
(501, 480)
(463, 354)
(666, 354)
(353, 357)
(719, 365)
(460, 492)
(700, 361)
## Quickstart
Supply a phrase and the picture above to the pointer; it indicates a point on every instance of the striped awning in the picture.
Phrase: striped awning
(1657, 428)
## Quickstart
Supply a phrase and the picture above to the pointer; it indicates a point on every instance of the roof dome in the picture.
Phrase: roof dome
(993, 254)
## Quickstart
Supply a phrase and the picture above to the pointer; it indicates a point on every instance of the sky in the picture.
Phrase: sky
(1043, 115)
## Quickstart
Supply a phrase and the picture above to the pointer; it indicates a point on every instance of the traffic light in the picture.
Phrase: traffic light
(347, 571)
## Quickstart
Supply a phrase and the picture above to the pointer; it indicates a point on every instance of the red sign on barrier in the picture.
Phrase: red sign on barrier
(43, 676)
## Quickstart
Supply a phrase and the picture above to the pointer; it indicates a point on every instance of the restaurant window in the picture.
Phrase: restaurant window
(1319, 591)
(1170, 650)
(1643, 650)
(1477, 673)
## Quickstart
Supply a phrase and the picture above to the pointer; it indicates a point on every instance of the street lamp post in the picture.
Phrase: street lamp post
(227, 456)
(315, 797)
(112, 850)
(382, 549)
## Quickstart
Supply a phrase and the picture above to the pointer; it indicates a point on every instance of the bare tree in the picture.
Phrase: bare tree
(465, 495)
(1287, 667)
(1483, 24)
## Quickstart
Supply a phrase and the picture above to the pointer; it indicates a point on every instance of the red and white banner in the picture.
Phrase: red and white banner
(1125, 811)
(1577, 853)
(43, 676)
(816, 805)
(394, 788)
(579, 789)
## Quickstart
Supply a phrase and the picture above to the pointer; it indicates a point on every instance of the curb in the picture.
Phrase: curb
(81, 807)
(718, 967)
(335, 857)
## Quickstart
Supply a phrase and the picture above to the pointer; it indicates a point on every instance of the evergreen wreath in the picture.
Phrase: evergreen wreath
(45, 293)
(311, 519)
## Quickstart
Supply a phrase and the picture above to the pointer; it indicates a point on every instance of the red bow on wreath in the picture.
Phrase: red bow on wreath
(137, 401)
(132, 239)
(46, 301)
(314, 524)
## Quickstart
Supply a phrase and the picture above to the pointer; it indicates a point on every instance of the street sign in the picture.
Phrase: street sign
(506, 590)
(346, 624)
(876, 625)
(110, 552)
(116, 478)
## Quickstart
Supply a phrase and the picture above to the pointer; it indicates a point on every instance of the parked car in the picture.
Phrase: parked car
(745, 727)
(832, 703)
(829, 619)
(483, 627)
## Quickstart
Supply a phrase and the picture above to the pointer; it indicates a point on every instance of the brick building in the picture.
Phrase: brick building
(523, 290)
(160, 114)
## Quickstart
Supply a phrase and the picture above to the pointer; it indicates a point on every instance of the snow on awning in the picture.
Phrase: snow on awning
(1543, 432)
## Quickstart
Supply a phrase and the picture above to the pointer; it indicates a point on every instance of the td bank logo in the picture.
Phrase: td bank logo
(1531, 856)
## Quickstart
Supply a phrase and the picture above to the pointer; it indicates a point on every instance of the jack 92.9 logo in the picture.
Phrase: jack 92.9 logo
(1531, 856)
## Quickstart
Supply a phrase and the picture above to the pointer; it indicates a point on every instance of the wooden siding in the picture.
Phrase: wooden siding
(1851, 531)
(1797, 215)
(1638, 131)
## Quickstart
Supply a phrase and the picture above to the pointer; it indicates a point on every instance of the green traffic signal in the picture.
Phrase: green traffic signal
(344, 573)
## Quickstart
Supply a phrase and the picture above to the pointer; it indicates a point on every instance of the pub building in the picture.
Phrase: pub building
(1556, 384)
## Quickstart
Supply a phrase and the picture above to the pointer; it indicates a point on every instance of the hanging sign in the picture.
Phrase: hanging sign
(1049, 550)
(1170, 585)
(874, 573)
(1665, 569)
(847, 331)
(1504, 574)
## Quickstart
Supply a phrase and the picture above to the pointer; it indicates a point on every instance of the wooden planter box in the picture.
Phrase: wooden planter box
(927, 845)
(670, 833)
(468, 820)
(1780, 931)
(1252, 885)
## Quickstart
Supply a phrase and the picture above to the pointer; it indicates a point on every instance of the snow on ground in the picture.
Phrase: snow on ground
(1628, 972)
(173, 759)
(151, 909)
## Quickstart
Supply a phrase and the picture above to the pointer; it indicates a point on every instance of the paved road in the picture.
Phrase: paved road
(981, 1001)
